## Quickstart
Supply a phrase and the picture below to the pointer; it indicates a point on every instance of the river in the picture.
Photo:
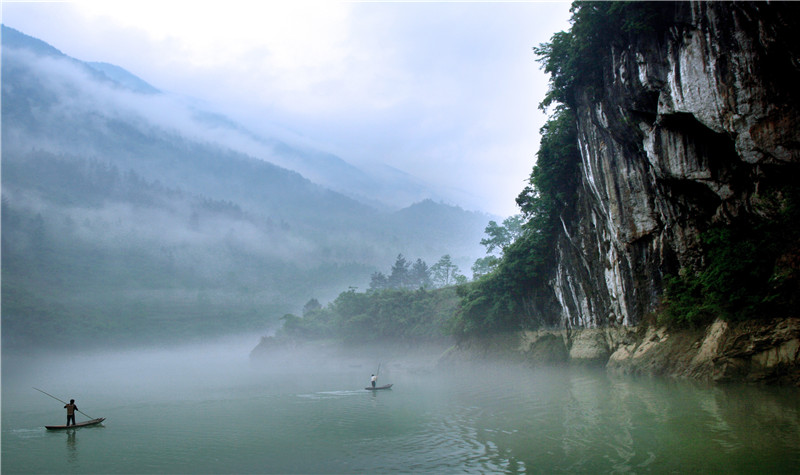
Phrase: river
(208, 409)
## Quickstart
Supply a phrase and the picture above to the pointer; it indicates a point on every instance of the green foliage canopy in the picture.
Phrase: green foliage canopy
(575, 58)
(398, 315)
(500, 300)
(751, 268)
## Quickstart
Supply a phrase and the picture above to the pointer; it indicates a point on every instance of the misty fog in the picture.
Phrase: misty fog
(132, 215)
(210, 368)
(79, 92)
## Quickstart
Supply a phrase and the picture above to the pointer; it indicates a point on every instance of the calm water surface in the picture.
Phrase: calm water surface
(208, 410)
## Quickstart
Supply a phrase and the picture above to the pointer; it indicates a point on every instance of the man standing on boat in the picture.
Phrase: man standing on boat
(373, 380)
(71, 408)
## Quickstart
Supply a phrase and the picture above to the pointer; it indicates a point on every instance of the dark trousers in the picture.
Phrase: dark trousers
(71, 417)
(373, 384)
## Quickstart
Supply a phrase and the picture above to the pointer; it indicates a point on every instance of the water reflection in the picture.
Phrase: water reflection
(623, 424)
(72, 446)
(486, 419)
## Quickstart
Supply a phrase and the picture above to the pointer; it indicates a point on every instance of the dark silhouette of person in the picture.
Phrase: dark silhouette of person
(71, 408)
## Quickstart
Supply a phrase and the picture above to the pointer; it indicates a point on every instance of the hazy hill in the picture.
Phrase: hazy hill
(129, 214)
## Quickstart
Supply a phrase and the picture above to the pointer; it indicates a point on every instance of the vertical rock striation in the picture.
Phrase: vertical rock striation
(693, 126)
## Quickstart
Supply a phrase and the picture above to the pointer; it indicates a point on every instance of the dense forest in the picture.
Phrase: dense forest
(388, 315)
(413, 302)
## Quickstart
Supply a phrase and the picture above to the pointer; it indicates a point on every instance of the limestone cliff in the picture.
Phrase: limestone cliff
(694, 125)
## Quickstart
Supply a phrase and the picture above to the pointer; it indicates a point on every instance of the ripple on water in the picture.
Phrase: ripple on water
(490, 422)
(331, 394)
(28, 433)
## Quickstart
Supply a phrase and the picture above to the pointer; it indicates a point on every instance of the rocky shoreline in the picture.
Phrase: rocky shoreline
(766, 352)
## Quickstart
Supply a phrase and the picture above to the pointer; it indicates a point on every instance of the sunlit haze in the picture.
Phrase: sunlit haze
(447, 92)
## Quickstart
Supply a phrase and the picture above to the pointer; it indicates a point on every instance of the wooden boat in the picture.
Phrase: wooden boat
(388, 386)
(79, 424)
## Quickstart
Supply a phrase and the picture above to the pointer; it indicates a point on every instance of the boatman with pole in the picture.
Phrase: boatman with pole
(71, 408)
(374, 378)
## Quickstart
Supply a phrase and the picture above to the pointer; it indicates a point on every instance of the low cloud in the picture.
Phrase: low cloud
(427, 88)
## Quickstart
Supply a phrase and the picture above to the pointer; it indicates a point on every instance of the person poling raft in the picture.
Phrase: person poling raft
(71, 410)
(374, 380)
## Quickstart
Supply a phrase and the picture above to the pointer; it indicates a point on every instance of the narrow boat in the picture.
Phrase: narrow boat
(388, 386)
(79, 424)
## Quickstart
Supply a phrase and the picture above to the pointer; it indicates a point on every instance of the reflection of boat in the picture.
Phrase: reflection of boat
(79, 424)
(388, 386)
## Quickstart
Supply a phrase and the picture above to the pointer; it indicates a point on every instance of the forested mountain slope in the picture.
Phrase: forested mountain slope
(127, 217)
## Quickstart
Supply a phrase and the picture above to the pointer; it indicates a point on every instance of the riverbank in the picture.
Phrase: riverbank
(766, 352)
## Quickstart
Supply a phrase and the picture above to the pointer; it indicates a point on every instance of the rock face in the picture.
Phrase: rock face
(692, 128)
(756, 352)
(762, 352)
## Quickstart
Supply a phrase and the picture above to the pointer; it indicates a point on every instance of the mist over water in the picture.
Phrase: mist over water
(144, 374)
(206, 408)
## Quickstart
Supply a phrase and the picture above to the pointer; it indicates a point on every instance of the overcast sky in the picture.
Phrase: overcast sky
(445, 91)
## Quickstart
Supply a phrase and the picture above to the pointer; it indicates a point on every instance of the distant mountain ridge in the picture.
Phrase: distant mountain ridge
(123, 77)
(126, 215)
(389, 188)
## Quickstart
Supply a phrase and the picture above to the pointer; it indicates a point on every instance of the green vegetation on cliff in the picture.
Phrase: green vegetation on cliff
(505, 298)
(751, 267)
(575, 59)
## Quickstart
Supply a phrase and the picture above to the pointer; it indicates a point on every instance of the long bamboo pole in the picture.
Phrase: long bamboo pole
(65, 403)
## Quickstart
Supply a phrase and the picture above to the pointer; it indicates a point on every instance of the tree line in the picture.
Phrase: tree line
(398, 315)
(405, 274)
(418, 275)
(412, 302)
